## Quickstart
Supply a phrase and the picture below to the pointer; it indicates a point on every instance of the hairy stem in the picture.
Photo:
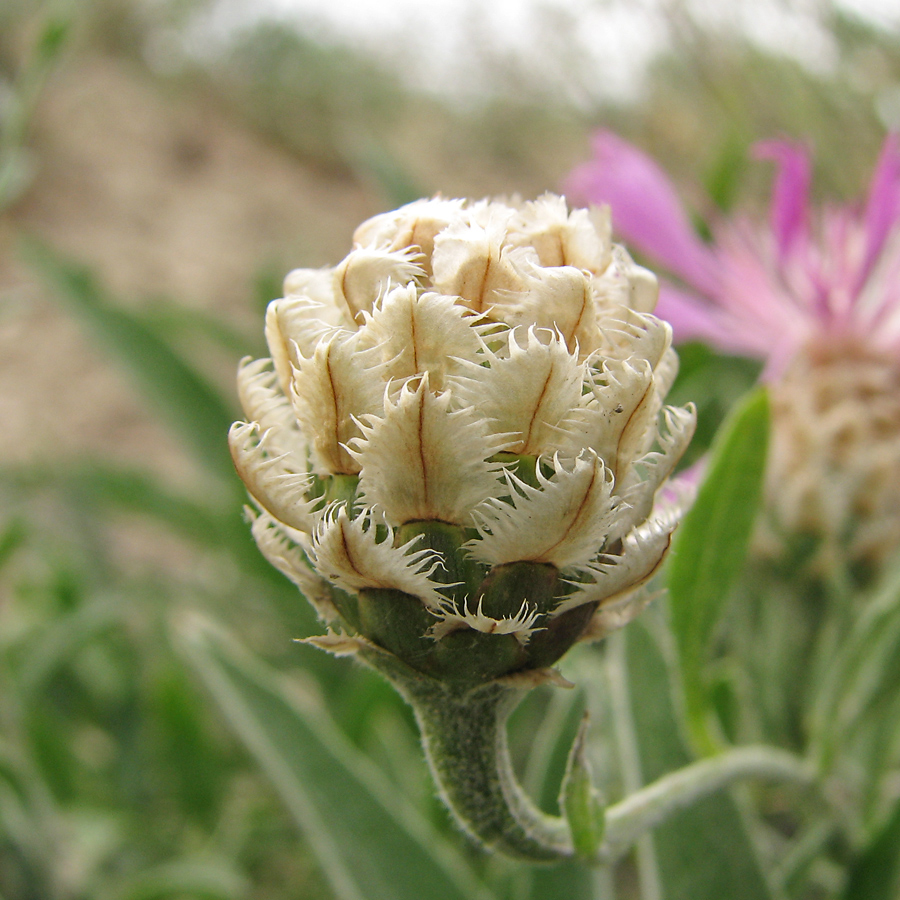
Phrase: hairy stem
(464, 735)
(652, 805)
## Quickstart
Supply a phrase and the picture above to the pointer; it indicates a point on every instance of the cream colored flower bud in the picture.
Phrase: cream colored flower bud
(625, 283)
(367, 272)
(460, 437)
(477, 264)
(580, 239)
(415, 225)
(834, 468)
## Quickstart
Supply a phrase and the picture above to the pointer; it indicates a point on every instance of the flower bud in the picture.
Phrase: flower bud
(457, 446)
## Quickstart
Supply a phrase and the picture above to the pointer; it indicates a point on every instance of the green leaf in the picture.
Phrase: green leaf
(704, 851)
(580, 801)
(206, 879)
(11, 538)
(212, 524)
(544, 728)
(369, 844)
(875, 875)
(571, 880)
(176, 323)
(189, 405)
(710, 545)
(51, 40)
(727, 171)
(375, 162)
(860, 682)
(61, 639)
(714, 383)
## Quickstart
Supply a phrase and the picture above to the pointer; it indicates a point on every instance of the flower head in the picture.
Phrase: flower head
(816, 295)
(457, 444)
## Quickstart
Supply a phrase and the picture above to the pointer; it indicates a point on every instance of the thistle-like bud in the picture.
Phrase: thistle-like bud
(458, 442)
(835, 457)
(456, 451)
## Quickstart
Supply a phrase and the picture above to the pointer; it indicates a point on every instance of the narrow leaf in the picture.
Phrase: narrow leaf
(702, 852)
(207, 879)
(61, 639)
(714, 383)
(710, 545)
(876, 873)
(579, 799)
(571, 880)
(11, 538)
(726, 173)
(863, 674)
(369, 844)
(550, 739)
(185, 400)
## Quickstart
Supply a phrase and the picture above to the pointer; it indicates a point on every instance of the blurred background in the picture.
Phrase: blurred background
(162, 165)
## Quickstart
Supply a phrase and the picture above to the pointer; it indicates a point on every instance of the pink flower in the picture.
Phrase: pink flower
(816, 295)
(764, 292)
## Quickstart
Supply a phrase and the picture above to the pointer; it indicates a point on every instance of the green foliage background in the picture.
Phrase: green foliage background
(120, 776)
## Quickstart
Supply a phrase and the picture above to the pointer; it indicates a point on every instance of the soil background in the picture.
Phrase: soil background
(160, 195)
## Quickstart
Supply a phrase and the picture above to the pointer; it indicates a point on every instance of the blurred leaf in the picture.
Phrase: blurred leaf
(61, 638)
(863, 673)
(545, 726)
(217, 524)
(704, 851)
(373, 160)
(570, 881)
(51, 40)
(29, 817)
(186, 401)
(18, 104)
(11, 774)
(725, 176)
(882, 743)
(875, 875)
(313, 97)
(10, 539)
(203, 879)
(368, 844)
(194, 762)
(96, 488)
(714, 382)
(174, 322)
(709, 546)
(268, 284)
(16, 173)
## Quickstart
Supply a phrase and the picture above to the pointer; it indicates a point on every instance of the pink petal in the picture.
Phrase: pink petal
(790, 195)
(694, 319)
(883, 205)
(646, 209)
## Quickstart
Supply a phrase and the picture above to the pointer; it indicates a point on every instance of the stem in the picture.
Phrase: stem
(464, 736)
(652, 805)
(466, 746)
(630, 759)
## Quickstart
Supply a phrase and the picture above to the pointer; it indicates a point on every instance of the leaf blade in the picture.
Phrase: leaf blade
(704, 851)
(875, 875)
(184, 399)
(710, 545)
(369, 846)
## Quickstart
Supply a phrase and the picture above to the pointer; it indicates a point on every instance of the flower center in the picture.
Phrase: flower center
(835, 462)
